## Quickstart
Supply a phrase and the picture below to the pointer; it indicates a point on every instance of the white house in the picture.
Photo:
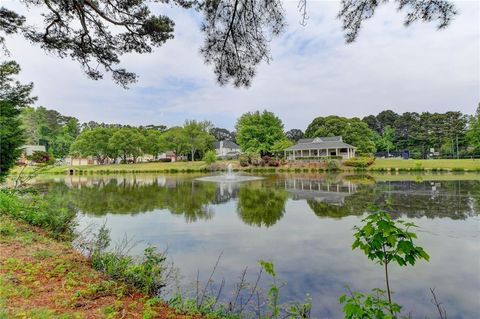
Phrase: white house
(226, 149)
(320, 147)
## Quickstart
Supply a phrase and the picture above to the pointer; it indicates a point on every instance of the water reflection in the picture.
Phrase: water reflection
(261, 206)
(262, 203)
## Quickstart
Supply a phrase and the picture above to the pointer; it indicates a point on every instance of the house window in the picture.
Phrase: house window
(343, 150)
(333, 153)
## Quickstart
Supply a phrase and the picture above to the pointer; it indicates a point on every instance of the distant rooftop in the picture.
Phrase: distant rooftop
(30, 149)
(226, 144)
(323, 142)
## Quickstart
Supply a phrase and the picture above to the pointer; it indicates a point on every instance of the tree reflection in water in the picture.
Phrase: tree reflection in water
(263, 203)
(261, 206)
(132, 196)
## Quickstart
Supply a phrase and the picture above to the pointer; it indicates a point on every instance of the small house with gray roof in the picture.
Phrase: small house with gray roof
(226, 149)
(311, 148)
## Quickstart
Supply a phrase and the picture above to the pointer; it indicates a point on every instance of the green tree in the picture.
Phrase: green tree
(28, 118)
(174, 139)
(419, 133)
(14, 96)
(154, 144)
(384, 141)
(127, 142)
(95, 142)
(258, 132)
(222, 134)
(279, 146)
(473, 133)
(66, 137)
(197, 136)
(353, 130)
(294, 135)
(50, 128)
(384, 241)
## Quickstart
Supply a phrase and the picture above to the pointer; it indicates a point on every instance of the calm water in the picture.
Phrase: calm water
(303, 223)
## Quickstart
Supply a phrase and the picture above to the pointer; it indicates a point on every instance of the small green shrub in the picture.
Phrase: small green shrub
(147, 274)
(332, 165)
(7, 228)
(210, 157)
(366, 306)
(207, 309)
(360, 162)
(418, 166)
(44, 211)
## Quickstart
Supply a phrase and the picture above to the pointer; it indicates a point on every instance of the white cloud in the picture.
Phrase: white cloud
(313, 73)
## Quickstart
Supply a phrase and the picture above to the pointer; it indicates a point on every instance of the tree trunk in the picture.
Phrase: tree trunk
(385, 263)
(388, 284)
(193, 154)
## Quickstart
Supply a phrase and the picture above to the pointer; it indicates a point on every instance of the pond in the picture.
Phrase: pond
(302, 223)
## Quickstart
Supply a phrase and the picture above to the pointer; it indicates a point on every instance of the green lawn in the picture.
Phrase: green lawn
(380, 164)
(468, 164)
(127, 168)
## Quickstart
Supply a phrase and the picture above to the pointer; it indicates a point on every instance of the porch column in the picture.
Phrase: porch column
(293, 154)
(336, 152)
(309, 153)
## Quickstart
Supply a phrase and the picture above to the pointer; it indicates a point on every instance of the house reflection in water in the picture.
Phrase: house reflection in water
(333, 193)
(225, 192)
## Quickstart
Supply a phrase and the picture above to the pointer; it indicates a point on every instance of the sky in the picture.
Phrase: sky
(313, 72)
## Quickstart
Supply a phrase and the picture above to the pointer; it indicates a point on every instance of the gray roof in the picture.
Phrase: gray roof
(323, 138)
(30, 149)
(319, 143)
(226, 144)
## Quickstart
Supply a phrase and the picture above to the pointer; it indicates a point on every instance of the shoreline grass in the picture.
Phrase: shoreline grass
(43, 277)
(430, 164)
(380, 165)
(43, 273)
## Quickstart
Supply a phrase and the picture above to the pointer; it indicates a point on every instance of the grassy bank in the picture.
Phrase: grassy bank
(200, 166)
(127, 168)
(432, 164)
(42, 277)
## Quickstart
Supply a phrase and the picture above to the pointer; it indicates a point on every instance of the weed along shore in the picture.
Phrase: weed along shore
(43, 276)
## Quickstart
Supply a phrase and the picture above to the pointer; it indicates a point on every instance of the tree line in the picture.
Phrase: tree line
(449, 134)
(129, 143)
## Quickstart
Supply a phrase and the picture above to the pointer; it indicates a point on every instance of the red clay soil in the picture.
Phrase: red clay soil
(44, 278)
